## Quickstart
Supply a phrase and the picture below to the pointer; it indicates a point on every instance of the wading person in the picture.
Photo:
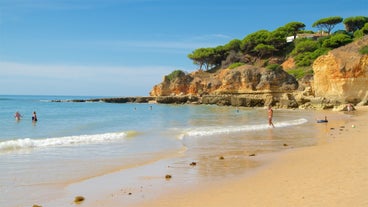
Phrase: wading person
(270, 116)
(34, 117)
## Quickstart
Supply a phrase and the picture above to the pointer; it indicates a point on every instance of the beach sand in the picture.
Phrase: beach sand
(332, 173)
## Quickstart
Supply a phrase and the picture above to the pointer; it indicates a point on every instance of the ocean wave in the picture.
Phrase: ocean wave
(28, 143)
(217, 130)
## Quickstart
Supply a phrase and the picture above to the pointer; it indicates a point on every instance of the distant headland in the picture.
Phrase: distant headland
(286, 68)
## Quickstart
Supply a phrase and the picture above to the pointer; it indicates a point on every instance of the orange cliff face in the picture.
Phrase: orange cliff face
(342, 74)
(244, 79)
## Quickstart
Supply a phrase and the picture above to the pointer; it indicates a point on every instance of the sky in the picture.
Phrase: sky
(125, 47)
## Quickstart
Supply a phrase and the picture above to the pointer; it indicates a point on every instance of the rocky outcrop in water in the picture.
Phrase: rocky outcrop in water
(137, 99)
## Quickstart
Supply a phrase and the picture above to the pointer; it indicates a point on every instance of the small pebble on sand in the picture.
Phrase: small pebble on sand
(79, 199)
(193, 164)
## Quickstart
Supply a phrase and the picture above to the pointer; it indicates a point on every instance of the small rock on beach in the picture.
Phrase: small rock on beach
(79, 199)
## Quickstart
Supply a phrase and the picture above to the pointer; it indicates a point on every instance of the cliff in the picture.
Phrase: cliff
(339, 77)
(342, 74)
(240, 80)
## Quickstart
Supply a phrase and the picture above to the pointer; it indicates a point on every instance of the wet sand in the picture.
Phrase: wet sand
(332, 173)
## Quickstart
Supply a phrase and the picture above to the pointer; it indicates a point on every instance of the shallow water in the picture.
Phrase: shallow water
(76, 141)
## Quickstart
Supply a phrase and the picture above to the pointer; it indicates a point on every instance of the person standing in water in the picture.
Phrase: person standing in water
(270, 116)
(34, 117)
(350, 107)
(17, 116)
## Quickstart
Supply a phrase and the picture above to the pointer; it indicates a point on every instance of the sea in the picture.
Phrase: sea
(75, 141)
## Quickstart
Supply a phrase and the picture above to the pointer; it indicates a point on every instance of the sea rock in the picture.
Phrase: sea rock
(247, 100)
(342, 74)
(177, 99)
(288, 101)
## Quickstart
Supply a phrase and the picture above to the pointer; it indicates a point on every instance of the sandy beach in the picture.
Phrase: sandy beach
(332, 173)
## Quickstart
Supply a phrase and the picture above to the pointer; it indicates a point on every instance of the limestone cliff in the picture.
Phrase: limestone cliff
(342, 74)
(244, 79)
(339, 77)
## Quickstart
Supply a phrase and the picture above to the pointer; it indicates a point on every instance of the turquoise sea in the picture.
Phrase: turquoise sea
(76, 141)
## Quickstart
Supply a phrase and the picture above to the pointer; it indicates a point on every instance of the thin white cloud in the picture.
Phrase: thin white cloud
(188, 43)
(169, 45)
(210, 37)
(21, 78)
(75, 71)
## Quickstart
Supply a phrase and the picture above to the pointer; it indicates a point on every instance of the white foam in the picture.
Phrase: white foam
(216, 130)
(27, 143)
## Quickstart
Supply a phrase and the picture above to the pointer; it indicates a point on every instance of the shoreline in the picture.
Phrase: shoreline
(284, 169)
(332, 173)
(285, 100)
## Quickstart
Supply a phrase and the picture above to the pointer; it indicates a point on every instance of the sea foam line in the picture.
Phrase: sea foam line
(208, 131)
(27, 143)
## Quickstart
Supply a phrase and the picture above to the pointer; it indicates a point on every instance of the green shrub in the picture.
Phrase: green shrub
(307, 58)
(175, 74)
(337, 40)
(274, 67)
(303, 59)
(235, 65)
(364, 50)
(305, 45)
(360, 33)
(299, 73)
(320, 51)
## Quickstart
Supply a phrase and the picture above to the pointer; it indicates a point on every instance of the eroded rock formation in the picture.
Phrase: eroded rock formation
(342, 74)
(244, 79)
(339, 77)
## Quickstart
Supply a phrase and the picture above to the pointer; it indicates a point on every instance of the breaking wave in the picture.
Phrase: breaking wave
(216, 130)
(28, 143)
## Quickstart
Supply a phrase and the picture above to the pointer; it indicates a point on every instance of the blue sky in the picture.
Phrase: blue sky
(124, 47)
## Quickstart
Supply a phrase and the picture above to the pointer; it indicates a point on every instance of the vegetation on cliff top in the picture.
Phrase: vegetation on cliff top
(364, 50)
(265, 47)
(175, 74)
